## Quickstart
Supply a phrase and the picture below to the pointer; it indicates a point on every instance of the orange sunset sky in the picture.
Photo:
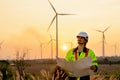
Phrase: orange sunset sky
(24, 24)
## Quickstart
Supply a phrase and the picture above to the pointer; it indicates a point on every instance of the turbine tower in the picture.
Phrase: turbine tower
(1, 44)
(41, 48)
(103, 40)
(115, 46)
(56, 17)
(41, 45)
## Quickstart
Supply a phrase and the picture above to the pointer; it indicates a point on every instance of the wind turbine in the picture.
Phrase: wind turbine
(41, 46)
(51, 41)
(26, 53)
(56, 17)
(1, 44)
(103, 40)
(71, 43)
(115, 48)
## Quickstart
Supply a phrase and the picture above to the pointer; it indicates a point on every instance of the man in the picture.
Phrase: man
(81, 52)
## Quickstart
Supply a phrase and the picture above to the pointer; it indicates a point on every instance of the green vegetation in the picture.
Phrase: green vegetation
(6, 70)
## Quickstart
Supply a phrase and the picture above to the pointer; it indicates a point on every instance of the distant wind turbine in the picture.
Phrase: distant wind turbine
(103, 40)
(1, 44)
(71, 43)
(41, 46)
(51, 41)
(115, 48)
(26, 53)
(56, 17)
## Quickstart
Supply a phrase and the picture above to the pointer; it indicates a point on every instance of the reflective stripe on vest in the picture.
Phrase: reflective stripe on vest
(76, 55)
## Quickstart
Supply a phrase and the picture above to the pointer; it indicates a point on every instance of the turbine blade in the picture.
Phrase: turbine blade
(49, 42)
(65, 14)
(99, 31)
(107, 28)
(51, 23)
(50, 36)
(52, 6)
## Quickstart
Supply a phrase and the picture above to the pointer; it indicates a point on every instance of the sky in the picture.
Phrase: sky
(24, 24)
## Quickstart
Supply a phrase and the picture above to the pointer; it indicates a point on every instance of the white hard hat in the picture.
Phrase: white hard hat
(83, 34)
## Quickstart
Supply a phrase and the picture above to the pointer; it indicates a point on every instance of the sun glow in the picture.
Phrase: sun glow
(64, 47)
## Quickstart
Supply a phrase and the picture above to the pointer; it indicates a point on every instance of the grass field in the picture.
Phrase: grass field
(105, 71)
(42, 69)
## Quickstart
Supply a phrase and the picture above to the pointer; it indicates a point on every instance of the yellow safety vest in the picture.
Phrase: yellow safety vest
(72, 55)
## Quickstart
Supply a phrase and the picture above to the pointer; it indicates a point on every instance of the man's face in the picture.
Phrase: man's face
(81, 40)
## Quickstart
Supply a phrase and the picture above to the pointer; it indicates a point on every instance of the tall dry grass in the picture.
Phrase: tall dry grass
(100, 76)
(45, 75)
(97, 76)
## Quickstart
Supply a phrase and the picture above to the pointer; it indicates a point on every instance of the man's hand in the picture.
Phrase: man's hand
(93, 67)
(60, 74)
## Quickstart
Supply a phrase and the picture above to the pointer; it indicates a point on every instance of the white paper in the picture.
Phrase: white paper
(77, 68)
